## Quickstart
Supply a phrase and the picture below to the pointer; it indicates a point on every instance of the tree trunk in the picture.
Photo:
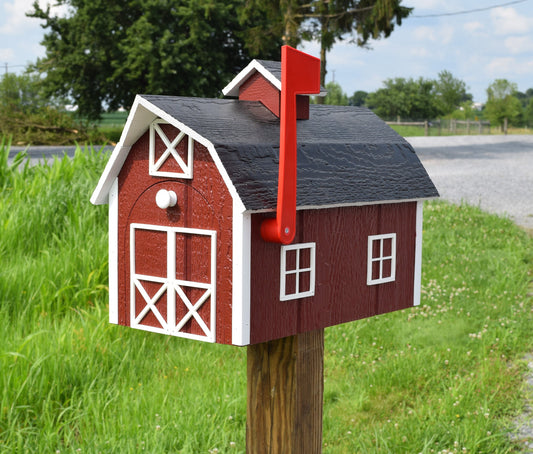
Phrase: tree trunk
(323, 71)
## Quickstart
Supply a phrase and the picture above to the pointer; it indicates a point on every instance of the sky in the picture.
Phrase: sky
(494, 42)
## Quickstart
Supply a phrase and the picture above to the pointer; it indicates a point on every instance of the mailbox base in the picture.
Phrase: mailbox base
(285, 395)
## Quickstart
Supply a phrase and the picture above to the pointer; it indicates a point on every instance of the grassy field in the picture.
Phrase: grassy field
(416, 131)
(445, 377)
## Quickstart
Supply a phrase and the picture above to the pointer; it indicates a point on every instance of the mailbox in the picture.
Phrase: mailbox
(196, 187)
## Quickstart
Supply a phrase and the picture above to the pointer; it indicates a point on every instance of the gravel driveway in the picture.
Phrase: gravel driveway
(493, 172)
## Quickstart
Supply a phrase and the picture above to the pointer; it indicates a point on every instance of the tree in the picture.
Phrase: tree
(106, 51)
(502, 103)
(20, 93)
(28, 116)
(528, 113)
(327, 21)
(407, 98)
(335, 95)
(358, 98)
(450, 92)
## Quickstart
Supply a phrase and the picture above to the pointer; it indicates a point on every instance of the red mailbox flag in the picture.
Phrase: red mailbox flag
(300, 74)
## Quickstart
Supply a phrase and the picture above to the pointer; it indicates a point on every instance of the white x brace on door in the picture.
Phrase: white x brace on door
(170, 293)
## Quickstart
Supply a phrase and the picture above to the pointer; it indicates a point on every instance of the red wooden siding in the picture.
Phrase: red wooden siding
(341, 291)
(203, 203)
(257, 88)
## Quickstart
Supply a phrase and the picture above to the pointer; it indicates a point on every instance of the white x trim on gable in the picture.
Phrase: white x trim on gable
(156, 163)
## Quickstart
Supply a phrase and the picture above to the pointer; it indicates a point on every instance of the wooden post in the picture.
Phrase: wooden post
(285, 395)
(426, 128)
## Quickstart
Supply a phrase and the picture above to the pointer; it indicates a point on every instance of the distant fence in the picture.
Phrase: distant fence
(447, 127)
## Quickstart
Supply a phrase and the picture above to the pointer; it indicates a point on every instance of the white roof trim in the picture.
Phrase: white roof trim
(344, 205)
(232, 89)
(142, 114)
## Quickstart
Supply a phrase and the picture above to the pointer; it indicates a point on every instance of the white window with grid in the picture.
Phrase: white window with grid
(176, 160)
(381, 259)
(297, 271)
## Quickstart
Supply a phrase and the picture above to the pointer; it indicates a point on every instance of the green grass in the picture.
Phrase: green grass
(416, 131)
(443, 377)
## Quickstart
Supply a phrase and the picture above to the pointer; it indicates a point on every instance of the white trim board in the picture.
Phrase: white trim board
(113, 253)
(240, 310)
(418, 253)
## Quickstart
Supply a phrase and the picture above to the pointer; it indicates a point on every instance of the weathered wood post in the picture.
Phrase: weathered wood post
(285, 395)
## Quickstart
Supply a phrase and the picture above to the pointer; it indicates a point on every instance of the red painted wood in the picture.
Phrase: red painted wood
(257, 88)
(300, 73)
(341, 292)
(203, 202)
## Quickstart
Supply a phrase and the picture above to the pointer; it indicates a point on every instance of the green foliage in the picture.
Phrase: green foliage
(358, 98)
(528, 113)
(405, 98)
(502, 103)
(104, 52)
(21, 93)
(466, 111)
(451, 93)
(29, 116)
(436, 378)
(418, 99)
(335, 95)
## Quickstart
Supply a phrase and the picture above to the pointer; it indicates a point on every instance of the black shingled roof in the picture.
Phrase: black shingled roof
(346, 155)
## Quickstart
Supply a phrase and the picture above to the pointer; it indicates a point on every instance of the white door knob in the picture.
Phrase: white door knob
(165, 199)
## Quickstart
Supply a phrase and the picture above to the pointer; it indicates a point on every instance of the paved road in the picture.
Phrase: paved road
(494, 172)
(40, 153)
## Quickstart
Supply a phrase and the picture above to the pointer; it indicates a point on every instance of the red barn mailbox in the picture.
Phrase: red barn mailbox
(192, 181)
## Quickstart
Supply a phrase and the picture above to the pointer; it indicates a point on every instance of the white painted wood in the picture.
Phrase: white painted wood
(284, 272)
(370, 280)
(142, 114)
(232, 89)
(241, 262)
(165, 199)
(344, 205)
(136, 124)
(154, 165)
(418, 253)
(113, 253)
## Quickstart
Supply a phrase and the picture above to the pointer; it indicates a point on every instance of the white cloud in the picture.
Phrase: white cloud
(419, 52)
(15, 21)
(509, 67)
(425, 33)
(506, 21)
(473, 27)
(519, 44)
(443, 34)
(446, 34)
(427, 5)
(6, 54)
